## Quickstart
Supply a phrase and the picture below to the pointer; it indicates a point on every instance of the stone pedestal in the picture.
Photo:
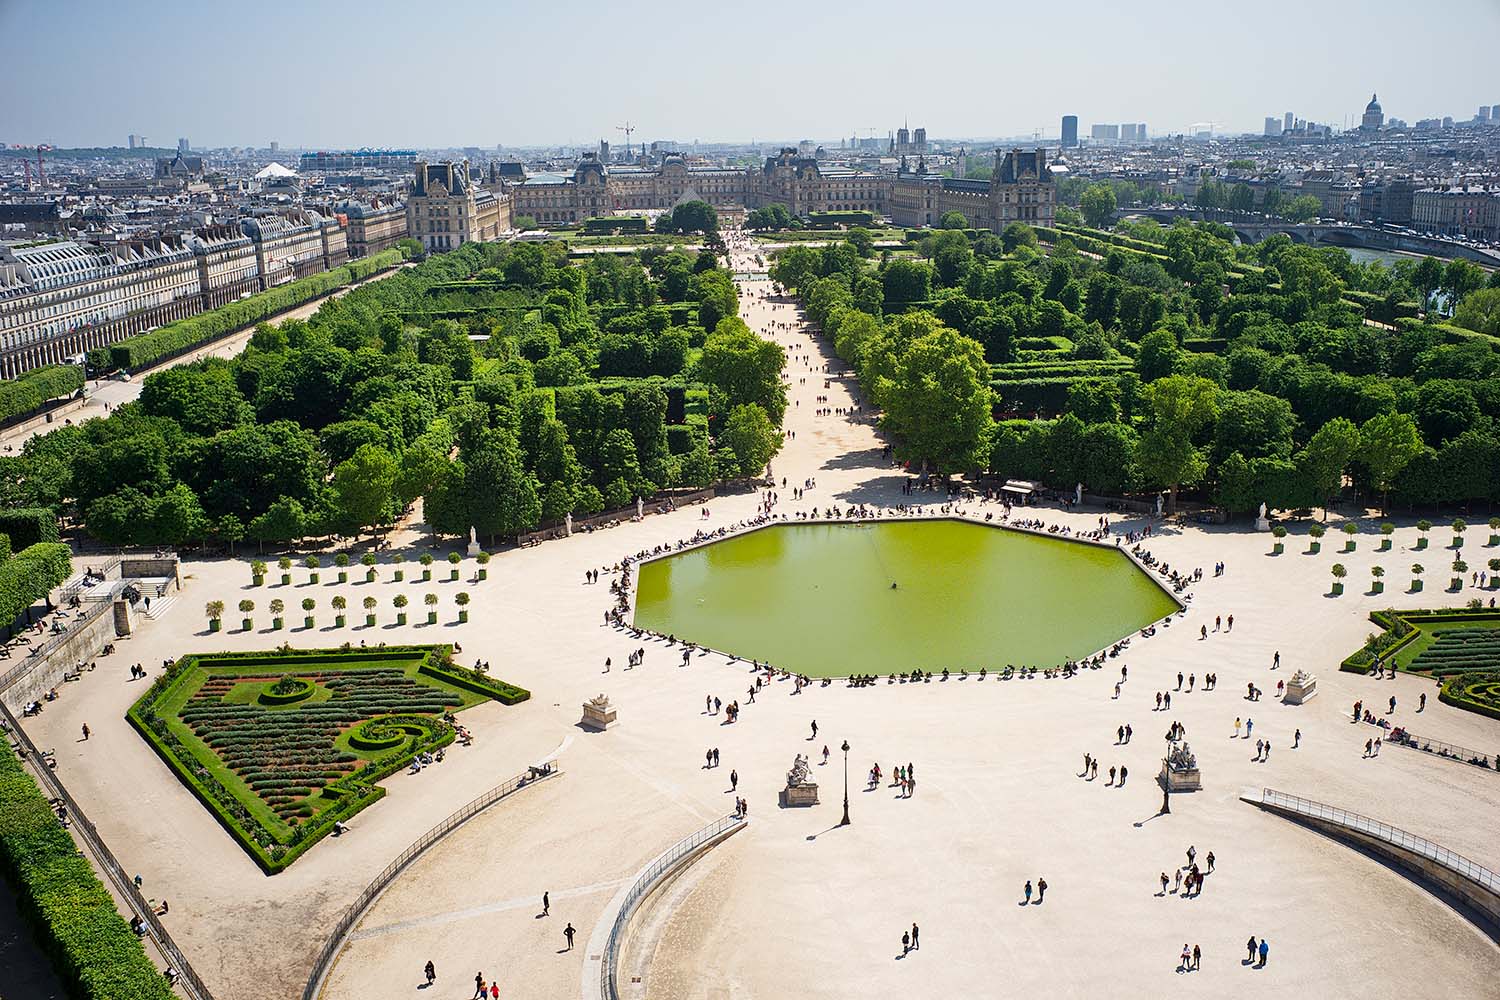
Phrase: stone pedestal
(805, 794)
(1262, 524)
(1183, 780)
(598, 714)
(1301, 687)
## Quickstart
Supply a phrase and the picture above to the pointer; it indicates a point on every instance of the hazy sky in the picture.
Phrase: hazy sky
(456, 73)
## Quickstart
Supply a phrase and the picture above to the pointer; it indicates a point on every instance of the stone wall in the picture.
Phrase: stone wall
(82, 644)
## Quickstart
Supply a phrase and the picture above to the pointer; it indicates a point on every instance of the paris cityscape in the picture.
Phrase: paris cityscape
(494, 510)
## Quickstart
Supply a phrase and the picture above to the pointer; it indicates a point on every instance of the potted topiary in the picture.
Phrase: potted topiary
(339, 604)
(1459, 526)
(400, 602)
(1495, 531)
(462, 600)
(1423, 526)
(1377, 585)
(400, 573)
(1416, 577)
(257, 573)
(1315, 546)
(312, 563)
(1459, 569)
(369, 603)
(453, 560)
(307, 610)
(1339, 572)
(277, 607)
(247, 606)
(431, 601)
(369, 562)
(1279, 532)
(285, 565)
(426, 561)
(483, 559)
(1350, 529)
(1387, 529)
(215, 612)
(1495, 574)
(342, 562)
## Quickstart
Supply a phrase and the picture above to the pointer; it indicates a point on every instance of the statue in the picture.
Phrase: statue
(800, 789)
(598, 713)
(1160, 497)
(1261, 524)
(473, 542)
(640, 508)
(1078, 495)
(798, 775)
(568, 522)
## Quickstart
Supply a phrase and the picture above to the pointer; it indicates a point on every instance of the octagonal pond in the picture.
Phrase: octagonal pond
(817, 598)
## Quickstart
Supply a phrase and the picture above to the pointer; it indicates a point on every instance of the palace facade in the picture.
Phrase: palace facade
(447, 207)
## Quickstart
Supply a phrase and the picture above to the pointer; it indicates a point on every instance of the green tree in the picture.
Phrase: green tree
(952, 220)
(1159, 354)
(905, 280)
(741, 367)
(1328, 454)
(937, 400)
(1181, 405)
(1387, 442)
(752, 437)
(362, 488)
(1017, 234)
(1098, 205)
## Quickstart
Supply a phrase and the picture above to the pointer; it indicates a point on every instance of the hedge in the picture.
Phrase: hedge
(1050, 394)
(30, 575)
(4, 547)
(91, 946)
(28, 525)
(174, 338)
(473, 680)
(1460, 691)
(821, 220)
(32, 390)
(1055, 369)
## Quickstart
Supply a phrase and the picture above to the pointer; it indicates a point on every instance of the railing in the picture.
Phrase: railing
(75, 588)
(641, 887)
(1451, 751)
(335, 943)
(187, 979)
(1456, 863)
(37, 655)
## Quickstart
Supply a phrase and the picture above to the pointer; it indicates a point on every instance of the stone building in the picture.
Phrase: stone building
(1020, 189)
(227, 265)
(373, 227)
(295, 245)
(447, 207)
(1471, 210)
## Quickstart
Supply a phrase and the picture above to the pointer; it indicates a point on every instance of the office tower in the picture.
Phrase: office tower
(132, 140)
(1273, 127)
(1069, 131)
(1286, 122)
(1140, 131)
(182, 145)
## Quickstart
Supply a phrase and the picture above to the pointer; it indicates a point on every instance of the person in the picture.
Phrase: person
(1197, 957)
(568, 933)
(825, 753)
(1028, 890)
(1265, 950)
(1111, 775)
(916, 944)
(1164, 883)
(1250, 947)
(1296, 738)
(906, 942)
(814, 729)
(431, 972)
(494, 991)
(479, 987)
(1422, 701)
(1123, 772)
(85, 730)
(1041, 890)
(546, 904)
(1210, 860)
(1185, 963)
(734, 780)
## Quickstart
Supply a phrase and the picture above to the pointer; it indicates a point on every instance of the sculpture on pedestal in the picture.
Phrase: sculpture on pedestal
(473, 541)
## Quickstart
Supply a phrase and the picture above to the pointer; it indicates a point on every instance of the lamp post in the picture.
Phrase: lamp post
(845, 820)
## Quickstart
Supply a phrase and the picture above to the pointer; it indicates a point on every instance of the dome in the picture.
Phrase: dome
(1374, 105)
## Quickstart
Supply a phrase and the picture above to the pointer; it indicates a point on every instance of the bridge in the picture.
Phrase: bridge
(1252, 228)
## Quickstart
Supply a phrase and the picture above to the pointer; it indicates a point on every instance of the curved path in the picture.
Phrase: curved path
(796, 906)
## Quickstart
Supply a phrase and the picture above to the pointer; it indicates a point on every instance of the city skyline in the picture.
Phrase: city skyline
(692, 74)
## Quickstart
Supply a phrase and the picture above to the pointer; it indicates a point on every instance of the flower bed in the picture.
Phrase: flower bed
(1476, 691)
(287, 691)
(1461, 646)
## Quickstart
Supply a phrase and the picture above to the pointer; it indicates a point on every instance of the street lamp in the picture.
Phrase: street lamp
(845, 748)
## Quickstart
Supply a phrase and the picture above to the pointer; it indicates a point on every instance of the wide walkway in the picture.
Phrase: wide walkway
(796, 906)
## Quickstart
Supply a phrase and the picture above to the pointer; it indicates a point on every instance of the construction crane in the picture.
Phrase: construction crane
(629, 130)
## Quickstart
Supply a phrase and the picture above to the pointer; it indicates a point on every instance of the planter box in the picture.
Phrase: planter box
(276, 624)
(338, 620)
(1457, 583)
(1422, 542)
(308, 623)
(484, 573)
(369, 621)
(1349, 545)
(343, 576)
(453, 574)
(1416, 585)
(1315, 547)
(1338, 589)
(400, 575)
(258, 581)
(1495, 539)
(214, 624)
(1378, 587)
(463, 616)
(1458, 542)
(247, 624)
(312, 578)
(401, 618)
(1278, 548)
(432, 617)
(426, 575)
(286, 579)
(370, 575)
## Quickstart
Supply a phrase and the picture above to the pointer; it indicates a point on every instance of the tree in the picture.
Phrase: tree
(741, 367)
(689, 217)
(1017, 234)
(1181, 405)
(1327, 454)
(717, 297)
(1159, 354)
(752, 437)
(1387, 442)
(906, 280)
(1098, 205)
(362, 488)
(952, 220)
(1302, 208)
(1480, 311)
(937, 400)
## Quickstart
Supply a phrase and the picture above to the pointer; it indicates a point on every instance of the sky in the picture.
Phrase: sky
(319, 74)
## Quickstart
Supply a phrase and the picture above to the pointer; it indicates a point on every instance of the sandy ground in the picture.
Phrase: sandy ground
(794, 905)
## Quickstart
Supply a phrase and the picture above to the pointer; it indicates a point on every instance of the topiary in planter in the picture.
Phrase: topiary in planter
(1279, 533)
(1459, 527)
(247, 623)
(453, 560)
(1339, 572)
(257, 573)
(284, 564)
(431, 601)
(277, 607)
(1350, 530)
(400, 602)
(398, 559)
(215, 612)
(1423, 526)
(368, 559)
(483, 560)
(339, 604)
(1387, 529)
(426, 561)
(462, 600)
(369, 603)
(1315, 532)
(1416, 577)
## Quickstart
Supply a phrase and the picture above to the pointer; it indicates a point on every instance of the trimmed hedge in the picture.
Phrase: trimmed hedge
(473, 680)
(28, 525)
(1473, 692)
(174, 338)
(32, 390)
(29, 575)
(92, 948)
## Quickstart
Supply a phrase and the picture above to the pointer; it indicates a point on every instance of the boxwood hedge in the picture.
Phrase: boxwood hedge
(92, 947)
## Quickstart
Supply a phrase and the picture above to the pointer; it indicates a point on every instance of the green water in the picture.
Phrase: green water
(817, 598)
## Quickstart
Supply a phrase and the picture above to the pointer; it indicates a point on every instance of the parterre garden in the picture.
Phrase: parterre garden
(283, 744)
(1459, 647)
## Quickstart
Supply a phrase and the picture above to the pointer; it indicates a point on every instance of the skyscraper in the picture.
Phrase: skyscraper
(132, 140)
(1069, 131)
(1140, 131)
(182, 145)
(1273, 127)
(1286, 122)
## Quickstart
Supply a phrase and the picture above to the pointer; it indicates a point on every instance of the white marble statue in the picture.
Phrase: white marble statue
(1078, 495)
(568, 521)
(1160, 497)
(640, 508)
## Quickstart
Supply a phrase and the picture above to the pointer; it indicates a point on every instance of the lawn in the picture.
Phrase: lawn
(1419, 641)
(282, 745)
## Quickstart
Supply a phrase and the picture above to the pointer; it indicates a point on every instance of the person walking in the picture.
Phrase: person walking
(546, 905)
(1123, 772)
(916, 943)
(1041, 890)
(1028, 891)
(1197, 957)
(85, 731)
(734, 780)
(1111, 775)
(568, 933)
(494, 991)
(814, 730)
(1127, 732)
(1296, 738)
(479, 986)
(1210, 860)
(1184, 962)
(905, 943)
(1265, 950)
(430, 971)
(1250, 947)
(1164, 883)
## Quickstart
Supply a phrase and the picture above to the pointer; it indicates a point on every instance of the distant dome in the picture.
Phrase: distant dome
(1374, 105)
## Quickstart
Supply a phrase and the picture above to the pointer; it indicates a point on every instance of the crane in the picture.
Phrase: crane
(629, 130)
